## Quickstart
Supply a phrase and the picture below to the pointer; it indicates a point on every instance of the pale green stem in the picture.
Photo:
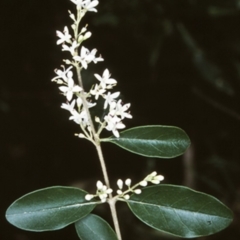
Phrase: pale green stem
(112, 202)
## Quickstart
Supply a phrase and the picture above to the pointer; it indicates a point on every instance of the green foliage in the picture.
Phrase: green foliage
(180, 211)
(92, 227)
(49, 209)
(153, 141)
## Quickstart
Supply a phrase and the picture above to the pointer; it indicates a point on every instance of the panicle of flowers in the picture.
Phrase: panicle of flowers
(77, 99)
(124, 194)
(102, 192)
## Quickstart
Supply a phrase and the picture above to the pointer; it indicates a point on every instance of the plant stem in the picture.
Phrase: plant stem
(112, 201)
(112, 204)
(102, 163)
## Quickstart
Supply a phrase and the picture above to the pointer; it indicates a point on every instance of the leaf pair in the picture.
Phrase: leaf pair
(177, 210)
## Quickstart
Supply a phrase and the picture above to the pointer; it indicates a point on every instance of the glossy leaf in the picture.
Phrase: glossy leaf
(180, 211)
(93, 227)
(153, 141)
(49, 209)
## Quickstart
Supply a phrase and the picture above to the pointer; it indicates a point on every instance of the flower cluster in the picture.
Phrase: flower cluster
(78, 101)
(130, 189)
(103, 192)
(151, 178)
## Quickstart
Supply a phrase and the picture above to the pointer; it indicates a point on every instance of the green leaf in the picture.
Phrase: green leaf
(153, 141)
(49, 209)
(92, 227)
(180, 211)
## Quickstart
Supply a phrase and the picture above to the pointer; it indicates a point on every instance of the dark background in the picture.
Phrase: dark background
(176, 61)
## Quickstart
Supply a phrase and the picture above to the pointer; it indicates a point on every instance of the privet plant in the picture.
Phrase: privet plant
(176, 210)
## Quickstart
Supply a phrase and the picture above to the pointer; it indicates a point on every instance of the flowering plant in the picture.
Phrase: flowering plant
(176, 210)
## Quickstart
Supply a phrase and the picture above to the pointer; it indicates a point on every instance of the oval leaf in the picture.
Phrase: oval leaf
(153, 141)
(92, 227)
(180, 211)
(49, 209)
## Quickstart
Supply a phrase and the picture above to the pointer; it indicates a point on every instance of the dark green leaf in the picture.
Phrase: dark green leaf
(153, 141)
(180, 211)
(92, 227)
(49, 208)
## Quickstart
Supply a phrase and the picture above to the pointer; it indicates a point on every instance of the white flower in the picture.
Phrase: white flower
(80, 118)
(78, 3)
(71, 49)
(90, 6)
(80, 103)
(64, 36)
(91, 57)
(105, 79)
(65, 74)
(121, 110)
(103, 191)
(97, 91)
(70, 89)
(69, 107)
(76, 117)
(109, 98)
(87, 57)
(113, 124)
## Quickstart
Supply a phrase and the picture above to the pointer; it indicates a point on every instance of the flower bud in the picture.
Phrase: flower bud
(89, 197)
(120, 183)
(97, 119)
(128, 182)
(126, 197)
(80, 38)
(143, 183)
(87, 35)
(138, 191)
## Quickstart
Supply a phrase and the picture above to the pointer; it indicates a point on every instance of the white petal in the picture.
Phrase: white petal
(69, 96)
(115, 133)
(77, 88)
(63, 89)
